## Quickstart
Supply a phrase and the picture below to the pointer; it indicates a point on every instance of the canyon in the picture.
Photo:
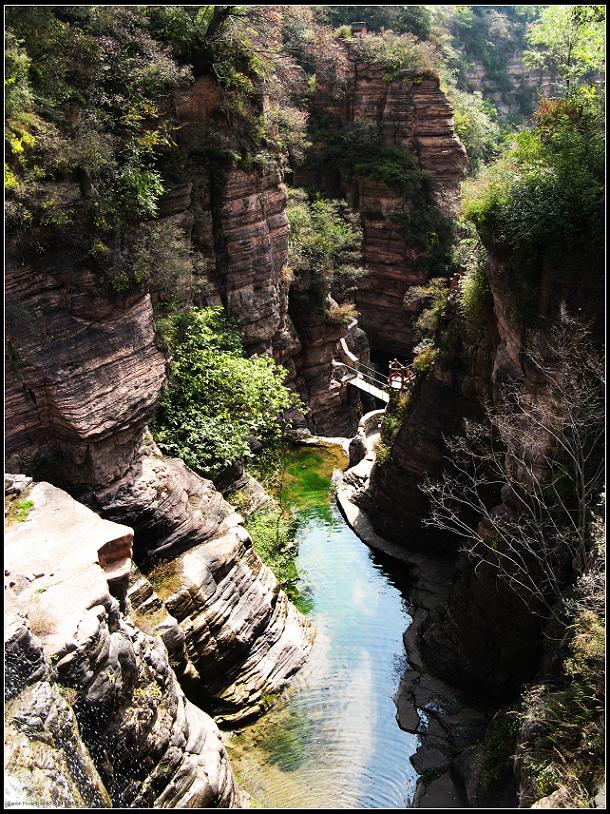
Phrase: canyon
(140, 623)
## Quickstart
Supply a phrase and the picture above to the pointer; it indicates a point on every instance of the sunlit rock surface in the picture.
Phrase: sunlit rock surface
(411, 113)
(95, 713)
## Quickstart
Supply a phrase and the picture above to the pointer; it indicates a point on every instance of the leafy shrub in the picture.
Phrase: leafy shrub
(343, 314)
(324, 249)
(545, 193)
(498, 749)
(390, 425)
(398, 53)
(344, 31)
(402, 19)
(476, 124)
(88, 101)
(216, 399)
(475, 295)
(568, 748)
(432, 300)
(153, 253)
(272, 532)
(424, 361)
(395, 167)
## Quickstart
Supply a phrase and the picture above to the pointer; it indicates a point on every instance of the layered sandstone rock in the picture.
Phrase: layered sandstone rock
(236, 221)
(95, 714)
(410, 113)
(485, 635)
(242, 637)
(333, 406)
(83, 372)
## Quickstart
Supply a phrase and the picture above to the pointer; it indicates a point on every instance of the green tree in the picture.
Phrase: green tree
(545, 194)
(324, 248)
(569, 42)
(217, 400)
(401, 19)
(476, 123)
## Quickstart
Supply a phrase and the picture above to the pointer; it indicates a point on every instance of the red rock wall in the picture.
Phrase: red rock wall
(410, 112)
(83, 371)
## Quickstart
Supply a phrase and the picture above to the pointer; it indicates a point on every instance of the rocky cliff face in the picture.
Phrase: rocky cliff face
(483, 636)
(235, 222)
(516, 91)
(409, 113)
(95, 715)
(83, 377)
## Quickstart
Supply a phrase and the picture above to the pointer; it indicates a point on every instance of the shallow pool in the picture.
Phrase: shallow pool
(331, 740)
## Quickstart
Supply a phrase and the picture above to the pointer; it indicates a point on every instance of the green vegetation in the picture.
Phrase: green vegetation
(398, 54)
(87, 101)
(154, 253)
(299, 478)
(431, 300)
(166, 579)
(424, 360)
(390, 426)
(545, 194)
(287, 746)
(149, 620)
(469, 254)
(17, 511)
(476, 124)
(415, 20)
(272, 532)
(569, 43)
(355, 151)
(568, 748)
(217, 400)
(324, 252)
(498, 749)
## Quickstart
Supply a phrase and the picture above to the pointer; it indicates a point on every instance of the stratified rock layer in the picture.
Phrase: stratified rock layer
(95, 714)
(484, 635)
(410, 113)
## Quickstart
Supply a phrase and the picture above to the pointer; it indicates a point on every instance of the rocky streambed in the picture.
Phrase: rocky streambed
(356, 727)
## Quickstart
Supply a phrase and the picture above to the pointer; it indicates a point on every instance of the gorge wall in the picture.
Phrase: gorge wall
(83, 376)
(483, 637)
(412, 114)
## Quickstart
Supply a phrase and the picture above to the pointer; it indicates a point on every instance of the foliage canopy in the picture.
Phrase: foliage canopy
(217, 400)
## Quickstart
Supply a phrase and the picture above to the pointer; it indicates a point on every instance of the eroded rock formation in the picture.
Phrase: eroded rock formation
(484, 636)
(410, 113)
(95, 714)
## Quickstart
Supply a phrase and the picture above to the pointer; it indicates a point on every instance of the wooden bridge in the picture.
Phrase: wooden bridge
(376, 384)
(369, 381)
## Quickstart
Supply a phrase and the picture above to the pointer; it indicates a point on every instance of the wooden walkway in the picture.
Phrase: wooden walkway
(369, 381)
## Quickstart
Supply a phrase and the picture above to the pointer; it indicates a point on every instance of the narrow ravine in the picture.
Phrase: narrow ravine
(332, 740)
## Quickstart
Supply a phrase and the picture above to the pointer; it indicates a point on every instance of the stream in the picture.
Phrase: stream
(331, 739)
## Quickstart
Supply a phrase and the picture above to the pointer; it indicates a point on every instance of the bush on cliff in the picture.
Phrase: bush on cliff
(324, 249)
(217, 400)
(88, 103)
(398, 53)
(476, 124)
(545, 195)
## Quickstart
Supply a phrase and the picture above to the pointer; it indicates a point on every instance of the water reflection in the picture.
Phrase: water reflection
(333, 742)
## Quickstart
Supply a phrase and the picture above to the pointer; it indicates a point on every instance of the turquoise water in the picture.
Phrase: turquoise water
(332, 741)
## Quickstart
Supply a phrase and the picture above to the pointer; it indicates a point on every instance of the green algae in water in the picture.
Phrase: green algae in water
(300, 478)
(287, 746)
(309, 474)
